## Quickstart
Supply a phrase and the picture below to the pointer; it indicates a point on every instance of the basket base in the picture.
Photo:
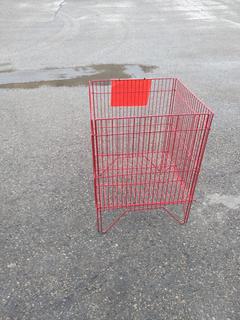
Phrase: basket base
(180, 215)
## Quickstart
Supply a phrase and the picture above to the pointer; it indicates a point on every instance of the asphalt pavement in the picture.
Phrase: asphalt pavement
(53, 263)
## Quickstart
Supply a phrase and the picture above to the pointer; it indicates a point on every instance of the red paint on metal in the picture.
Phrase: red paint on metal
(127, 93)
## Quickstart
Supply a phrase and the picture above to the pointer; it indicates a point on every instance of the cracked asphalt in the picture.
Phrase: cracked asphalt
(53, 263)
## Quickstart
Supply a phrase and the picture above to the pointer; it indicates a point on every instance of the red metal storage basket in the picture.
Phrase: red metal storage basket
(148, 141)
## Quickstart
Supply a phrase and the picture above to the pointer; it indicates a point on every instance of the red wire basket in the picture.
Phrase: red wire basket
(148, 141)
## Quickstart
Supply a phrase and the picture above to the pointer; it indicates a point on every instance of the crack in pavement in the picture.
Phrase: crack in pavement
(61, 4)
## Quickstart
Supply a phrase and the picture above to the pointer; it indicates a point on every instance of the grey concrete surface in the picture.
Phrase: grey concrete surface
(53, 263)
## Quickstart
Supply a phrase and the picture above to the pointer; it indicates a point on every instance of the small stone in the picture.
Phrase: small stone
(11, 265)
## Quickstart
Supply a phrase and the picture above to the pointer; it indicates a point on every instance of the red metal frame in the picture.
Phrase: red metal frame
(148, 141)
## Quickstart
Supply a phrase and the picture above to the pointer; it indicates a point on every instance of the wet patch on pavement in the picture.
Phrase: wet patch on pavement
(6, 67)
(229, 201)
(72, 76)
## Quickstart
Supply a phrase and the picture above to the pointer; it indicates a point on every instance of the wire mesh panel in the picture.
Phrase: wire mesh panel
(148, 140)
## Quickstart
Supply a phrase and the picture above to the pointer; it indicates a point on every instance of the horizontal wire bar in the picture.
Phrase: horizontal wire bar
(143, 132)
(144, 204)
(166, 115)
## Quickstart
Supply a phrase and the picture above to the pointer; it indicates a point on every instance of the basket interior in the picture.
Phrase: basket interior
(148, 140)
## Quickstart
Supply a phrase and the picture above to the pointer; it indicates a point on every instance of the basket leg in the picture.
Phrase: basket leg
(105, 229)
(99, 220)
(186, 211)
